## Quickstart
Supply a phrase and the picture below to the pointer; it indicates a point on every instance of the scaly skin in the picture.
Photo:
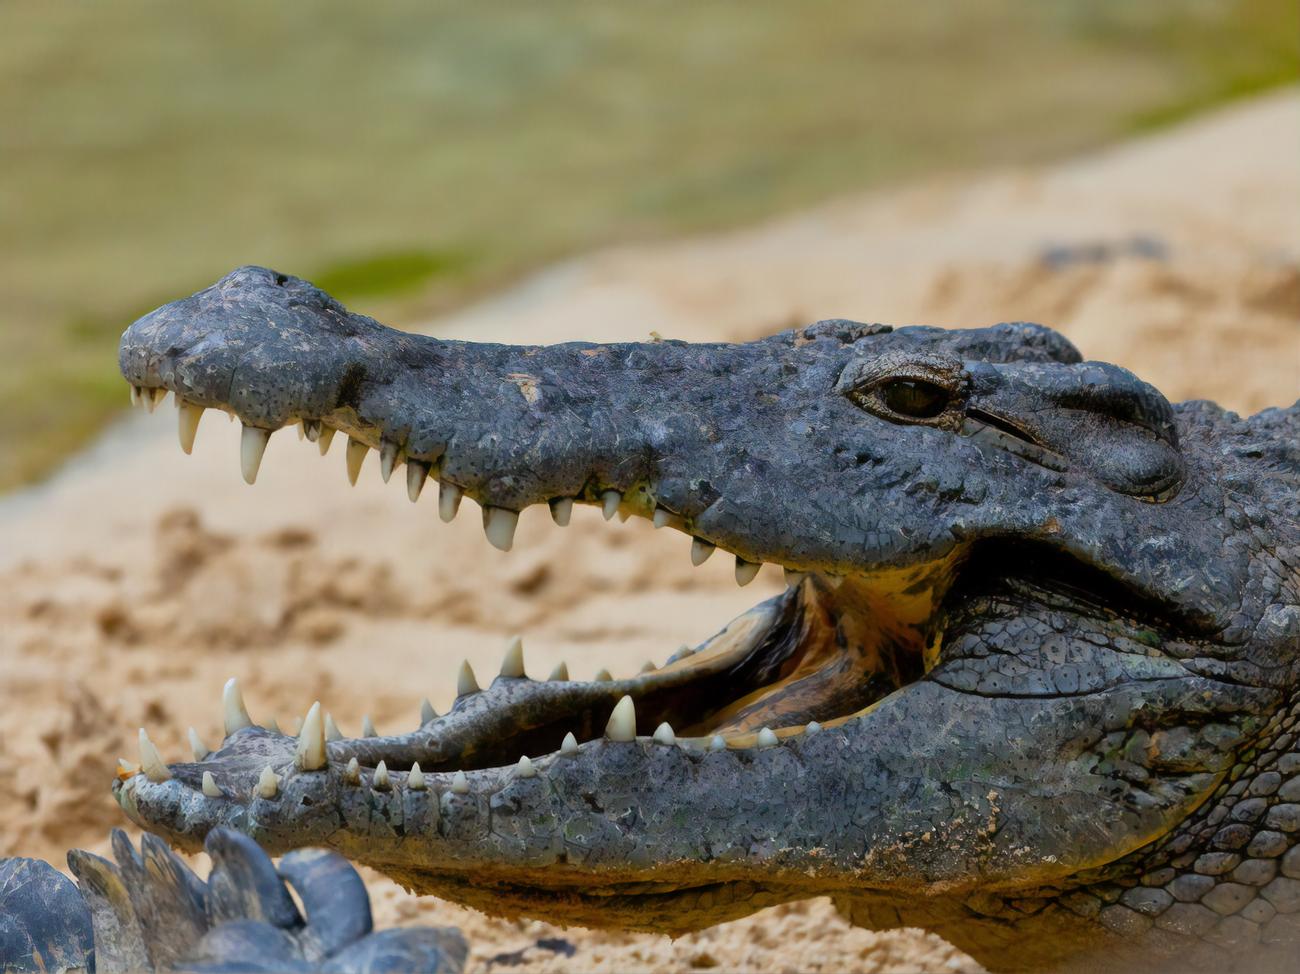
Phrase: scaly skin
(1045, 622)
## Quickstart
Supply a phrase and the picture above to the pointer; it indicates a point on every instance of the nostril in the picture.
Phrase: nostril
(281, 280)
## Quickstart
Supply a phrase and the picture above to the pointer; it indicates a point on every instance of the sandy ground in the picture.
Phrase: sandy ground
(137, 580)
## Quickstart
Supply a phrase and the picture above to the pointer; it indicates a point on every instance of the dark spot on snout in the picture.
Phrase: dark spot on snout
(350, 387)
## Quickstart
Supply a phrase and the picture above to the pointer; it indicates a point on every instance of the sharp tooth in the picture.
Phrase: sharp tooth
(200, 749)
(310, 755)
(766, 738)
(459, 784)
(562, 510)
(136, 398)
(415, 780)
(813, 727)
(525, 769)
(326, 438)
(623, 516)
(355, 455)
(622, 722)
(609, 502)
(332, 732)
(129, 767)
(700, 551)
(664, 734)
(387, 458)
(417, 472)
(274, 725)
(368, 727)
(380, 780)
(661, 518)
(352, 773)
(648, 667)
(513, 663)
(152, 397)
(569, 746)
(302, 433)
(232, 706)
(427, 713)
(311, 429)
(746, 570)
(603, 676)
(151, 762)
(187, 423)
(252, 444)
(448, 501)
(210, 788)
(793, 578)
(561, 671)
(499, 525)
(268, 785)
(717, 743)
(465, 681)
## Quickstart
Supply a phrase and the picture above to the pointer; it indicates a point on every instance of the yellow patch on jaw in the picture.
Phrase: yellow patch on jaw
(527, 384)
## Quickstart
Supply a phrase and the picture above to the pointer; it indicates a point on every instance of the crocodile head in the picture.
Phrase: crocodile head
(1038, 624)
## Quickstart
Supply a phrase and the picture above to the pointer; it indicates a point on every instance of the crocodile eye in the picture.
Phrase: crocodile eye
(915, 398)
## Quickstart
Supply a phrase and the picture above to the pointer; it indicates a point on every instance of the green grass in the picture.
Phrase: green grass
(406, 156)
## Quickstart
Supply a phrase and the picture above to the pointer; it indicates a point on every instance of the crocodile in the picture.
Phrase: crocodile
(1031, 684)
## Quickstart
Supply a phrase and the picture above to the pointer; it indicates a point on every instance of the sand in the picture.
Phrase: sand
(136, 580)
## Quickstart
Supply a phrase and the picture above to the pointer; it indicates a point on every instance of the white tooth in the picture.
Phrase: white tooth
(309, 755)
(416, 474)
(274, 725)
(387, 458)
(609, 502)
(813, 727)
(325, 439)
(622, 722)
(448, 501)
(252, 444)
(311, 429)
(700, 551)
(525, 769)
(648, 667)
(664, 734)
(562, 510)
(717, 743)
(793, 579)
(499, 525)
(129, 767)
(233, 709)
(152, 397)
(766, 738)
(151, 762)
(355, 455)
(352, 773)
(210, 788)
(302, 433)
(268, 785)
(746, 570)
(569, 746)
(427, 713)
(159, 396)
(187, 423)
(415, 780)
(380, 780)
(661, 517)
(465, 681)
(513, 663)
(368, 727)
(332, 732)
(136, 398)
(200, 749)
(459, 784)
(603, 676)
(561, 671)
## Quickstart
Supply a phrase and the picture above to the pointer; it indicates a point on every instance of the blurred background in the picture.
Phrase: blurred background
(410, 159)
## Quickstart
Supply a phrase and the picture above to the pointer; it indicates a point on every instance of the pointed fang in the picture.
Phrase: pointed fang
(417, 473)
(561, 672)
(309, 755)
(449, 496)
(700, 551)
(268, 785)
(210, 788)
(466, 683)
(151, 762)
(387, 458)
(766, 738)
(499, 525)
(459, 784)
(415, 780)
(200, 749)
(525, 769)
(562, 511)
(252, 444)
(234, 713)
(187, 423)
(356, 454)
(427, 713)
(746, 571)
(609, 502)
(368, 727)
(622, 722)
(513, 664)
(569, 747)
(325, 439)
(664, 734)
(381, 781)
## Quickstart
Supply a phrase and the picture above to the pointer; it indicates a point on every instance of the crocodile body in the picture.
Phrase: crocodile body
(1032, 685)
